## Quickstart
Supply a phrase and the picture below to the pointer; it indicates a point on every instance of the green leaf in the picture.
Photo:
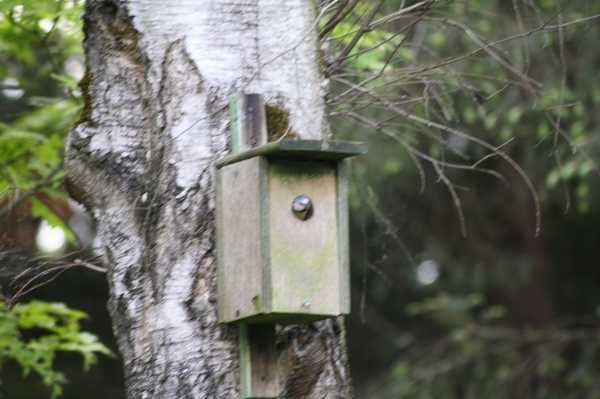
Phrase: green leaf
(67, 81)
(61, 324)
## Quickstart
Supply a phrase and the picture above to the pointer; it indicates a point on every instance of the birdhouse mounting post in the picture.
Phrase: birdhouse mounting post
(258, 353)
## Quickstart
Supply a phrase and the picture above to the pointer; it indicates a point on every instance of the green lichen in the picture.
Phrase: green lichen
(278, 125)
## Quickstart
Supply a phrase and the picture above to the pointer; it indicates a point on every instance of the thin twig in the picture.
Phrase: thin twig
(337, 18)
(363, 29)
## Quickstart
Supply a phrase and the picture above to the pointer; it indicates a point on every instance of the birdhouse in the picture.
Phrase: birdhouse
(282, 232)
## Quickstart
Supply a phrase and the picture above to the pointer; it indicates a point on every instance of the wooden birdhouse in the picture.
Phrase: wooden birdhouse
(282, 236)
(282, 232)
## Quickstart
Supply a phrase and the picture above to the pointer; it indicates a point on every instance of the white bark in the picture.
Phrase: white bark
(142, 160)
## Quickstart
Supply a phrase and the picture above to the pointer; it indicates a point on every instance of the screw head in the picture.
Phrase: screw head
(302, 207)
(306, 303)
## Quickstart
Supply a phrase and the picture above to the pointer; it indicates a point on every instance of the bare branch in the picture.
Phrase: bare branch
(458, 133)
(455, 198)
(357, 36)
(339, 16)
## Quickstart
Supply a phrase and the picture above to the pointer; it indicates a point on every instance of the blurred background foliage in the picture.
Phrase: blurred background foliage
(475, 213)
(42, 234)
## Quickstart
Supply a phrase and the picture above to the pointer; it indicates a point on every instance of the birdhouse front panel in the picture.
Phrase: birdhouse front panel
(304, 251)
(282, 232)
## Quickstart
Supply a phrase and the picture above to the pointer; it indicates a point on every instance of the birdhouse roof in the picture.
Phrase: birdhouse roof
(308, 150)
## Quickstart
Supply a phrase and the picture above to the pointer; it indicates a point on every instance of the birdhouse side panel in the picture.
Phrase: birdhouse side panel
(304, 254)
(344, 235)
(240, 237)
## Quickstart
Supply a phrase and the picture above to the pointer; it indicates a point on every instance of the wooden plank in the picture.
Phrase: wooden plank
(240, 232)
(314, 150)
(344, 234)
(248, 121)
(258, 361)
(304, 254)
(236, 122)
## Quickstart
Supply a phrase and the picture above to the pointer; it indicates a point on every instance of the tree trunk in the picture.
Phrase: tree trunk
(142, 158)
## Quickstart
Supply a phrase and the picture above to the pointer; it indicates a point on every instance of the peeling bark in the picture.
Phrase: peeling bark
(142, 160)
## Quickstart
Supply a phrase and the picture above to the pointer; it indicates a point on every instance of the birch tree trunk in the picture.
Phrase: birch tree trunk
(159, 76)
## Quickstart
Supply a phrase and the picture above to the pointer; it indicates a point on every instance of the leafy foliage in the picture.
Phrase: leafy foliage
(40, 45)
(40, 40)
(61, 332)
(500, 361)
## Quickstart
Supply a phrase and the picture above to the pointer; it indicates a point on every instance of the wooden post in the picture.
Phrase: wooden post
(258, 352)
(248, 121)
(258, 361)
